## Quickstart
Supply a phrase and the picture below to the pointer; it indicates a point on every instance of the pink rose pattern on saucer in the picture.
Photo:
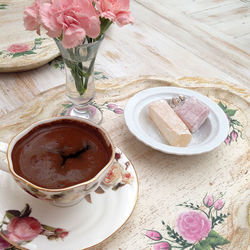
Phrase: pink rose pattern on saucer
(20, 228)
(117, 177)
(234, 125)
(195, 228)
(22, 49)
(4, 244)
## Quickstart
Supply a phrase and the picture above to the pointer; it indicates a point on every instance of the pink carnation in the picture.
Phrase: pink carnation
(23, 229)
(115, 10)
(18, 48)
(74, 19)
(193, 226)
(31, 17)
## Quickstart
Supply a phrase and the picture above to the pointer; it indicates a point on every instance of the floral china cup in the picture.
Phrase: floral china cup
(67, 196)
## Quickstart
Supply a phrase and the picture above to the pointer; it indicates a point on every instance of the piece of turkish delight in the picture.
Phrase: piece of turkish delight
(169, 124)
(191, 111)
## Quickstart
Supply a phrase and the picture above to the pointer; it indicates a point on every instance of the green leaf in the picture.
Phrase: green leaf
(118, 185)
(15, 213)
(26, 211)
(230, 112)
(222, 106)
(29, 52)
(1, 52)
(38, 41)
(104, 77)
(189, 205)
(48, 228)
(237, 123)
(9, 215)
(63, 113)
(203, 245)
(67, 105)
(213, 240)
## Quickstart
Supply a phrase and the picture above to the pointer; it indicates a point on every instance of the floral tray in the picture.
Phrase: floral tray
(208, 193)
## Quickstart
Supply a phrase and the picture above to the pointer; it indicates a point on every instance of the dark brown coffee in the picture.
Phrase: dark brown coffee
(60, 154)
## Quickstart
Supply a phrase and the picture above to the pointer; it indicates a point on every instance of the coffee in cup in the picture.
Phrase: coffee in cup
(60, 159)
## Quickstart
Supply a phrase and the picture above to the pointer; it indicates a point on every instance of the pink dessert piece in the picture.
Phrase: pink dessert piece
(191, 111)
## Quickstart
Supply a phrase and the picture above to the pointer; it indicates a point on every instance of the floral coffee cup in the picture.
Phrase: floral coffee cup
(66, 196)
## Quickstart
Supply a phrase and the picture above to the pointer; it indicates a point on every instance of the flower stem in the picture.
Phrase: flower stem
(204, 212)
(105, 23)
(209, 212)
(81, 75)
(88, 73)
(169, 240)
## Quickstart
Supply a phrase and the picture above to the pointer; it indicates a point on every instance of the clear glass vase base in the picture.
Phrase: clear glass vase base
(88, 112)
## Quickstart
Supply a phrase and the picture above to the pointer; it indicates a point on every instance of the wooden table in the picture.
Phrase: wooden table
(186, 40)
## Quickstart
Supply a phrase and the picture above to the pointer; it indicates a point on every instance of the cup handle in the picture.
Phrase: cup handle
(4, 163)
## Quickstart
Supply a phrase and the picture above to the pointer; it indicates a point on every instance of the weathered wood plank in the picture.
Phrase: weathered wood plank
(165, 39)
(192, 6)
(214, 47)
(234, 11)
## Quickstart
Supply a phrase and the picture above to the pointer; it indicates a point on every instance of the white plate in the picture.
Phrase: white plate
(88, 224)
(210, 135)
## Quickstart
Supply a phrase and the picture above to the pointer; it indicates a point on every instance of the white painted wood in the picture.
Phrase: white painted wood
(171, 38)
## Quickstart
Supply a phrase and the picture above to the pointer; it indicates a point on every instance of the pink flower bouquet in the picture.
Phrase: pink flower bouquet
(73, 23)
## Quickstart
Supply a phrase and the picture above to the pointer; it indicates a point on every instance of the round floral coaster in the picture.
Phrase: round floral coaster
(20, 49)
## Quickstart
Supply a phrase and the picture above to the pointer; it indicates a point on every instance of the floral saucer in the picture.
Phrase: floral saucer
(34, 224)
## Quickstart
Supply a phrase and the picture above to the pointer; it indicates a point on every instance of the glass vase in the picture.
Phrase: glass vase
(80, 82)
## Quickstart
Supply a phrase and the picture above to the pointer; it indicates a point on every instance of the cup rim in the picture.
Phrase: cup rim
(19, 135)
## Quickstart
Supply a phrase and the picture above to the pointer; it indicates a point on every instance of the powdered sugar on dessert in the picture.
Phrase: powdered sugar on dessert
(191, 111)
